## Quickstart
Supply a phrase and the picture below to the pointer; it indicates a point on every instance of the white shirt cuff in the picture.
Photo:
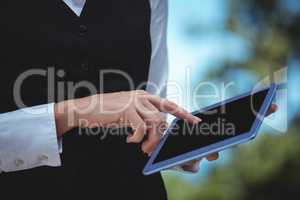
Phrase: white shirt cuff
(28, 139)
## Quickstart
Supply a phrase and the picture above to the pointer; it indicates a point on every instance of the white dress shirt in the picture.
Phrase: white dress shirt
(28, 136)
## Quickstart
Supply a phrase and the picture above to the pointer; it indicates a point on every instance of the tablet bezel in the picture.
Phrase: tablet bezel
(151, 168)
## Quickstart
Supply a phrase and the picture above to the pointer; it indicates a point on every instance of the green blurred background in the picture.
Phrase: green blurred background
(243, 42)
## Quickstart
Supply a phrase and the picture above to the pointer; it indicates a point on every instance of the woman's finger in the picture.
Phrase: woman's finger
(212, 157)
(273, 108)
(139, 127)
(169, 107)
(192, 166)
(156, 127)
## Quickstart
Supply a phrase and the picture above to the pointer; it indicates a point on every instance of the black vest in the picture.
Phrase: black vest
(111, 34)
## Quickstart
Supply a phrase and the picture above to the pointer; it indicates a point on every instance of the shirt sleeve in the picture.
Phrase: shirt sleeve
(159, 65)
(28, 139)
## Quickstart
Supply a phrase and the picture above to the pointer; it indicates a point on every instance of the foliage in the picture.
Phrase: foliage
(267, 168)
(271, 29)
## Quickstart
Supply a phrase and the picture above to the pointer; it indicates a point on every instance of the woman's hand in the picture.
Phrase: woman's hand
(136, 109)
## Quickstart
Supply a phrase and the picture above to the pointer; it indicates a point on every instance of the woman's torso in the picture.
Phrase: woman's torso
(46, 35)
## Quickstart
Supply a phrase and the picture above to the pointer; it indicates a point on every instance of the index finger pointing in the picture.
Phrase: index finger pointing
(167, 106)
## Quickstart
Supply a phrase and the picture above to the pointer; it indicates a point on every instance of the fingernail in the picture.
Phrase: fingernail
(147, 153)
(128, 139)
(197, 120)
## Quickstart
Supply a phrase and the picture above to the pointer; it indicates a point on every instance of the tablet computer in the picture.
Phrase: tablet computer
(225, 124)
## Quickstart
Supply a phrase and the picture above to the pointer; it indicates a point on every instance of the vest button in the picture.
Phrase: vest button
(85, 66)
(82, 30)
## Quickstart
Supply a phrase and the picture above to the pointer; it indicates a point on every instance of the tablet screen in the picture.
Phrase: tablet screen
(218, 124)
